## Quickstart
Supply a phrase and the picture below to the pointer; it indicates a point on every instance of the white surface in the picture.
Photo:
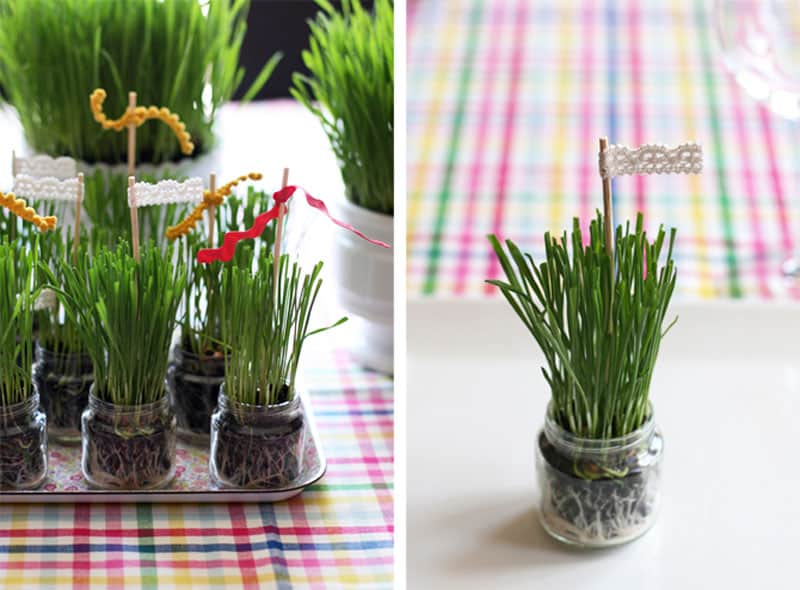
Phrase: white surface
(727, 396)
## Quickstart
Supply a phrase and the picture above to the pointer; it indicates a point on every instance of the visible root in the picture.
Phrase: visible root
(112, 461)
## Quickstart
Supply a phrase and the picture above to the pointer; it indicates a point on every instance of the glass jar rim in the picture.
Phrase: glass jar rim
(104, 406)
(62, 355)
(565, 439)
(29, 404)
(225, 401)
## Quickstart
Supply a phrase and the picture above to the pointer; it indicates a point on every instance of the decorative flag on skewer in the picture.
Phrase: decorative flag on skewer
(41, 166)
(210, 199)
(48, 188)
(135, 116)
(225, 252)
(165, 192)
(20, 208)
(617, 160)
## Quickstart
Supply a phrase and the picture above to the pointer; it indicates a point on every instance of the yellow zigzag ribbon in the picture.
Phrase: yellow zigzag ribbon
(19, 208)
(209, 200)
(139, 116)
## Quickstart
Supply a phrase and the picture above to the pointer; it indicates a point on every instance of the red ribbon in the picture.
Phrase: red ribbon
(226, 251)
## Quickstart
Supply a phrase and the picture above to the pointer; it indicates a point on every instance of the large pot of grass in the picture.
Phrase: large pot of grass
(258, 432)
(23, 426)
(598, 318)
(351, 90)
(182, 54)
(197, 359)
(125, 310)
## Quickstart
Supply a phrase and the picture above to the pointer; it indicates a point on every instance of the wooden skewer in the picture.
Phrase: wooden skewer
(78, 202)
(131, 177)
(13, 164)
(134, 217)
(131, 136)
(278, 236)
(607, 211)
(212, 187)
(608, 225)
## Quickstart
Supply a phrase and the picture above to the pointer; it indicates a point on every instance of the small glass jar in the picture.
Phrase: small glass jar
(128, 447)
(193, 382)
(256, 447)
(23, 445)
(63, 381)
(599, 493)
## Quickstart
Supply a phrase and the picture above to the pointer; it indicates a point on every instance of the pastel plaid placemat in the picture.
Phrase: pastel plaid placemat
(507, 99)
(337, 534)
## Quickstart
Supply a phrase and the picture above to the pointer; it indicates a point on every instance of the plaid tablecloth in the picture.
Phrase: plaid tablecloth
(507, 99)
(337, 534)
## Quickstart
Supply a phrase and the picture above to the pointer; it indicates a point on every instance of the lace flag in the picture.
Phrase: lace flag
(617, 160)
(166, 192)
(41, 166)
(48, 188)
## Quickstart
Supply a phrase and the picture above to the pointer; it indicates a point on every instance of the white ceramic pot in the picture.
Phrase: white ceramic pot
(365, 275)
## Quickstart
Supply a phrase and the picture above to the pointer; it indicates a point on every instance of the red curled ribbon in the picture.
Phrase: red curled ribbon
(226, 251)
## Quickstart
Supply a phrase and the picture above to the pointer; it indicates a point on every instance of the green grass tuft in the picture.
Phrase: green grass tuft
(125, 312)
(599, 329)
(265, 333)
(351, 92)
(204, 296)
(17, 296)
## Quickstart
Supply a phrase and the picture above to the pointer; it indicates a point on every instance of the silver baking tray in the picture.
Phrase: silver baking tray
(65, 482)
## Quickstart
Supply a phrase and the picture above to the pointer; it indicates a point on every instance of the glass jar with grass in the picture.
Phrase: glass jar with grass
(62, 371)
(258, 431)
(125, 310)
(197, 359)
(23, 426)
(598, 316)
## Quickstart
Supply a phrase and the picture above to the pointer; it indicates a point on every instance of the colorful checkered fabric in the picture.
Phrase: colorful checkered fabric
(507, 99)
(337, 534)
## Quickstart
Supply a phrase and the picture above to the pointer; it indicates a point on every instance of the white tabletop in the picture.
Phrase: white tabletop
(727, 396)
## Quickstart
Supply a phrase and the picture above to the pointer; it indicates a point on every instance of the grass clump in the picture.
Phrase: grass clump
(204, 295)
(125, 312)
(17, 297)
(351, 92)
(265, 328)
(598, 321)
(54, 330)
(182, 54)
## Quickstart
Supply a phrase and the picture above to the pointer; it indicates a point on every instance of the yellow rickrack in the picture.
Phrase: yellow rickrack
(209, 200)
(139, 116)
(19, 208)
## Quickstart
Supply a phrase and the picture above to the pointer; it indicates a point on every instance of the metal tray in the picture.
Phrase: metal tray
(65, 482)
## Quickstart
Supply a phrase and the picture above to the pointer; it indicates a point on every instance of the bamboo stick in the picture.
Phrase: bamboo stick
(134, 217)
(78, 203)
(279, 235)
(212, 187)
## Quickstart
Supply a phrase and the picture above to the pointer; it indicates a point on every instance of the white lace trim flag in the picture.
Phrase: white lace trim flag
(41, 166)
(46, 189)
(165, 192)
(617, 160)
